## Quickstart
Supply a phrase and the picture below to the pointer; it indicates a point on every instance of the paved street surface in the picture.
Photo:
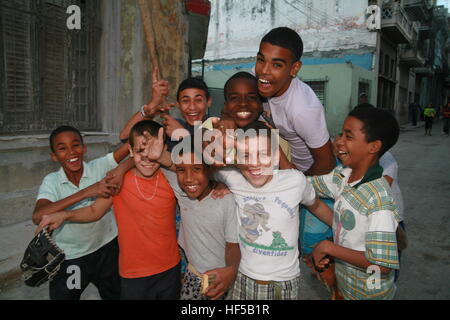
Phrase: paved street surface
(424, 178)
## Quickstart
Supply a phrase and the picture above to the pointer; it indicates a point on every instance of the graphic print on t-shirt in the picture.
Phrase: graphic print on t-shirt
(254, 224)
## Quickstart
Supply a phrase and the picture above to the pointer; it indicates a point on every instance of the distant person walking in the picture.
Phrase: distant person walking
(429, 113)
(446, 116)
(413, 108)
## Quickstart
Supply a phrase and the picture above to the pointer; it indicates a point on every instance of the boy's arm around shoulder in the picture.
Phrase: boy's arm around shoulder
(322, 211)
(47, 202)
(91, 213)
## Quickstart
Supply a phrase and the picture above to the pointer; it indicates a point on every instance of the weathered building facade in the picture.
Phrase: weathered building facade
(93, 78)
(404, 61)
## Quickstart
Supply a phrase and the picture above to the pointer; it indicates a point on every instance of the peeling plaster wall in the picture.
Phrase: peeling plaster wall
(237, 27)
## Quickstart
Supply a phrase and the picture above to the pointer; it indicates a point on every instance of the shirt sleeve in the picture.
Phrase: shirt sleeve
(225, 175)
(309, 123)
(173, 181)
(324, 185)
(102, 165)
(48, 189)
(308, 194)
(231, 222)
(381, 241)
(390, 166)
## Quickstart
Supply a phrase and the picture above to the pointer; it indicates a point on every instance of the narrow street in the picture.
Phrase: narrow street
(424, 177)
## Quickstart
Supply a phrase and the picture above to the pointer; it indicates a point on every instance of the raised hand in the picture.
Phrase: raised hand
(171, 125)
(153, 147)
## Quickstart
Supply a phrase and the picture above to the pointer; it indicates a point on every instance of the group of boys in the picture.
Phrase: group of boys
(238, 245)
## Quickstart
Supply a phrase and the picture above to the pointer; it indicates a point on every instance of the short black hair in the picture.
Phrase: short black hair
(193, 82)
(286, 38)
(239, 75)
(61, 129)
(152, 127)
(378, 124)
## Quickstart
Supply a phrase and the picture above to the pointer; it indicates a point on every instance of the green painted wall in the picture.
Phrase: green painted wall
(341, 89)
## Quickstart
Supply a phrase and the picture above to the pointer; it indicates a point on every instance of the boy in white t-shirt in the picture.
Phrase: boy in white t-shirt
(268, 218)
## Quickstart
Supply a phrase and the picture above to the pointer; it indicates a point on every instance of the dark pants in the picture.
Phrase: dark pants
(446, 125)
(428, 123)
(100, 268)
(162, 286)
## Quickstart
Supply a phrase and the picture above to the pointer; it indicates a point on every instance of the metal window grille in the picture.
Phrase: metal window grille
(47, 72)
(319, 89)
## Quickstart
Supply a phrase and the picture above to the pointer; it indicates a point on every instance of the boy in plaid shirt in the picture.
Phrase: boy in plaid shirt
(365, 215)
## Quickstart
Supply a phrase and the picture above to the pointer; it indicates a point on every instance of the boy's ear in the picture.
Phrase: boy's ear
(53, 157)
(296, 68)
(375, 146)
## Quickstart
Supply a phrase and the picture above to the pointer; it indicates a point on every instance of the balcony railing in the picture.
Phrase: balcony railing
(396, 24)
(411, 55)
(418, 9)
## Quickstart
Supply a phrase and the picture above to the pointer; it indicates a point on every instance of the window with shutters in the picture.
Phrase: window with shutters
(47, 72)
(319, 89)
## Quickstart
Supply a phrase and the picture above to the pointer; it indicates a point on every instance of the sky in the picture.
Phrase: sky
(446, 3)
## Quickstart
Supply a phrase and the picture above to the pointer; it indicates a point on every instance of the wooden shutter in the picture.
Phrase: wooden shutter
(47, 72)
(17, 103)
(53, 56)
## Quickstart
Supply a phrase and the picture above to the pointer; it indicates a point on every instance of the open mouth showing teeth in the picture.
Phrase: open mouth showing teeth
(191, 188)
(255, 173)
(243, 114)
(72, 160)
(263, 81)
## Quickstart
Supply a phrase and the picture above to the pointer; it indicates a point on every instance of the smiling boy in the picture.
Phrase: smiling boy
(365, 216)
(268, 218)
(91, 247)
(208, 236)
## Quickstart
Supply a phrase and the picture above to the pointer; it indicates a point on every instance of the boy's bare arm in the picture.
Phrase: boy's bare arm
(160, 90)
(324, 160)
(322, 211)
(103, 188)
(121, 152)
(225, 276)
(91, 213)
(354, 257)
